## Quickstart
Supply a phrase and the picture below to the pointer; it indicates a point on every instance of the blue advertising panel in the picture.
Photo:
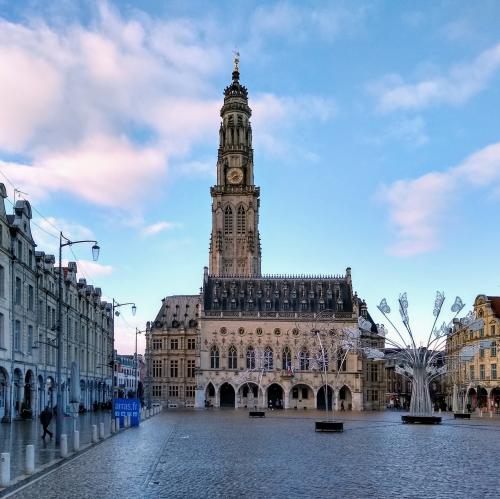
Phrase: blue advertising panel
(127, 407)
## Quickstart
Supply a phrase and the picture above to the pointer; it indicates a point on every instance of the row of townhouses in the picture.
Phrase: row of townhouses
(28, 325)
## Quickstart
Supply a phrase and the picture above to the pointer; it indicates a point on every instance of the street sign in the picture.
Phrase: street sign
(127, 407)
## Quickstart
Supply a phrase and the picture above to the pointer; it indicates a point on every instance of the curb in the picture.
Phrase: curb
(21, 481)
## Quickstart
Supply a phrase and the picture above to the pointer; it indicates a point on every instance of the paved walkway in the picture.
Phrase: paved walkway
(16, 436)
(225, 454)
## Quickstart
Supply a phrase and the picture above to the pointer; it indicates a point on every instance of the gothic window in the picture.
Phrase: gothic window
(214, 358)
(228, 221)
(304, 360)
(287, 359)
(241, 221)
(250, 358)
(268, 359)
(233, 358)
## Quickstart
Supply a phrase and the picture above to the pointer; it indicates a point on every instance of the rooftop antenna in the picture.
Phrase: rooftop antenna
(17, 191)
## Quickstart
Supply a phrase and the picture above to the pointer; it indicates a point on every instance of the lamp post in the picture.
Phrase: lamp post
(64, 241)
(117, 313)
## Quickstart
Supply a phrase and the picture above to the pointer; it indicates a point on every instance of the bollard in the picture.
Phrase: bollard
(5, 469)
(112, 426)
(64, 445)
(30, 460)
(101, 431)
(94, 433)
(117, 424)
(491, 414)
(481, 413)
(76, 440)
(148, 413)
(128, 421)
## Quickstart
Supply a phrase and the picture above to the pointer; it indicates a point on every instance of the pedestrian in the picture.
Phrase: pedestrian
(45, 418)
(342, 408)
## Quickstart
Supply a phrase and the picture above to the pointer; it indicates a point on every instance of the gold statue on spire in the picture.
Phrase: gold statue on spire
(236, 60)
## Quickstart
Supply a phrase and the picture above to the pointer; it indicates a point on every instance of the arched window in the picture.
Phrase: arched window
(214, 358)
(250, 358)
(232, 358)
(228, 221)
(304, 360)
(286, 359)
(241, 221)
(268, 359)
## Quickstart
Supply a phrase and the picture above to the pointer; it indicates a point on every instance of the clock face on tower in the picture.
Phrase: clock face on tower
(234, 176)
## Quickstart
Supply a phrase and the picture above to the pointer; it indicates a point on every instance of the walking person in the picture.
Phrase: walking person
(45, 418)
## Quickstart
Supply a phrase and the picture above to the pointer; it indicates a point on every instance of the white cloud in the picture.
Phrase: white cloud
(92, 269)
(80, 102)
(275, 116)
(45, 232)
(158, 227)
(296, 23)
(462, 82)
(418, 207)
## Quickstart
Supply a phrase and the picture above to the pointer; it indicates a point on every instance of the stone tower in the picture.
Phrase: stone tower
(235, 240)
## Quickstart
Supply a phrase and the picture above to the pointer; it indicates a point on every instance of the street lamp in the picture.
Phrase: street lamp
(117, 314)
(64, 241)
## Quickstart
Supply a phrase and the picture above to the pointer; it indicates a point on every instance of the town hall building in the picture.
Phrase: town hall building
(251, 340)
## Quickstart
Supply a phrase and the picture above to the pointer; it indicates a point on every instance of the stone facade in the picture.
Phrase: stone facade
(476, 379)
(253, 332)
(28, 324)
(173, 346)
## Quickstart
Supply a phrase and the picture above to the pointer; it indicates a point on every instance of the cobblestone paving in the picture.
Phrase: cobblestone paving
(224, 454)
(16, 436)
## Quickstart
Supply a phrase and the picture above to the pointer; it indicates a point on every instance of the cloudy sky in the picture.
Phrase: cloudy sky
(376, 137)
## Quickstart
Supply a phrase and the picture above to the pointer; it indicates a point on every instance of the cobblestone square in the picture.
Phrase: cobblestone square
(224, 453)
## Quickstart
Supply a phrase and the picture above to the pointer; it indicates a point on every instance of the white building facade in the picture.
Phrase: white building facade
(28, 325)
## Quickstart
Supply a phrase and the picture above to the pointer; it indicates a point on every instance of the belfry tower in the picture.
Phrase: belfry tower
(235, 240)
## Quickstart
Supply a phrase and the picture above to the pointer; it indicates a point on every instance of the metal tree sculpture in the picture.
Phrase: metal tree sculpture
(334, 345)
(259, 362)
(419, 362)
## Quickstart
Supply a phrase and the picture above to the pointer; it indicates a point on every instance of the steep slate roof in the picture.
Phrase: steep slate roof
(178, 309)
(277, 293)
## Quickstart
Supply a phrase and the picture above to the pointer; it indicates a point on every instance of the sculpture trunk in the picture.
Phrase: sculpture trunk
(420, 404)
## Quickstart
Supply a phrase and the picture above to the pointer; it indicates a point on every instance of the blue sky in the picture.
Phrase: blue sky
(376, 138)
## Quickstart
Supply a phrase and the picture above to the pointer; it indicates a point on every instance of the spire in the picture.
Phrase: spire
(235, 89)
(236, 70)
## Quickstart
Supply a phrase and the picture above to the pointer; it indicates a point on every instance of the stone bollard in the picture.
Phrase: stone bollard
(491, 414)
(64, 445)
(5, 469)
(148, 413)
(481, 413)
(29, 468)
(117, 424)
(94, 434)
(101, 431)
(112, 426)
(76, 440)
